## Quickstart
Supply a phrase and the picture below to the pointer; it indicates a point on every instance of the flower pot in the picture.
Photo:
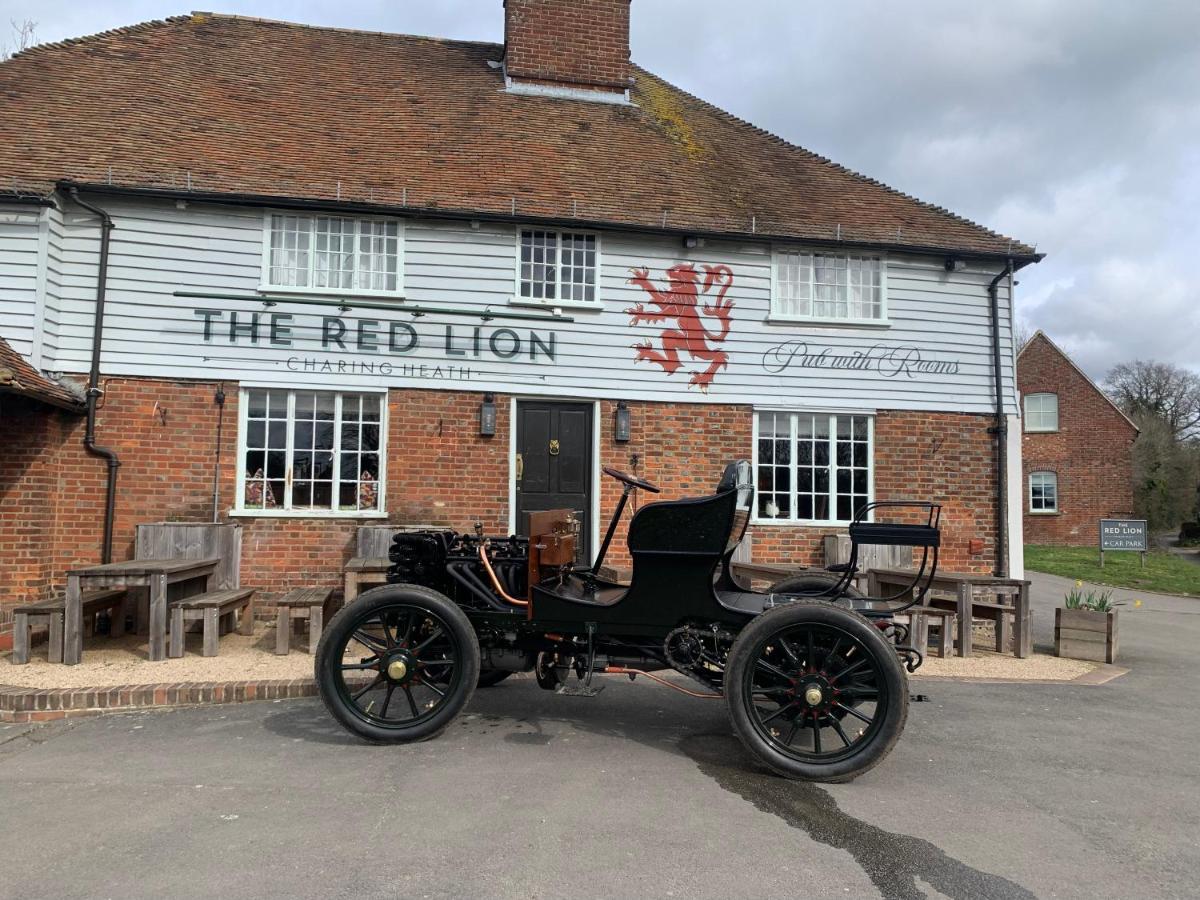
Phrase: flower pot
(1086, 634)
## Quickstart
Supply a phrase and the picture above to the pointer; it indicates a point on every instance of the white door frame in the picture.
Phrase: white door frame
(512, 462)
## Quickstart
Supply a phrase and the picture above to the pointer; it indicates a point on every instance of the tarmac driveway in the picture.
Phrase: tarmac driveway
(995, 791)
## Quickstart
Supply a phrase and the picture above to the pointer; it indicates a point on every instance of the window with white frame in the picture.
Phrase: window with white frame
(311, 451)
(333, 253)
(1041, 412)
(812, 467)
(558, 266)
(828, 287)
(1043, 492)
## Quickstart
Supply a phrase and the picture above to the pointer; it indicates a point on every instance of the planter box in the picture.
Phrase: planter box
(1085, 634)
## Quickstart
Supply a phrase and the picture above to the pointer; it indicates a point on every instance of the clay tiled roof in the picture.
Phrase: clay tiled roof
(18, 377)
(224, 104)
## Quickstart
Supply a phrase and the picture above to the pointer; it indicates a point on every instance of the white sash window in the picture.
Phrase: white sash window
(332, 254)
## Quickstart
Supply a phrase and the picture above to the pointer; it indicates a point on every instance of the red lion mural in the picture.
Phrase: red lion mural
(680, 304)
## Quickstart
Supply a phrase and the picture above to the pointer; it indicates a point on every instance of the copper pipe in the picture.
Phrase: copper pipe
(622, 670)
(487, 565)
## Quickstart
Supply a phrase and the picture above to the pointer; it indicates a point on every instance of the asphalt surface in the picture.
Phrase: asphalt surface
(994, 791)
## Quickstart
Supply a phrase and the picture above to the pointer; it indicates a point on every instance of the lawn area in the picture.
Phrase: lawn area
(1164, 572)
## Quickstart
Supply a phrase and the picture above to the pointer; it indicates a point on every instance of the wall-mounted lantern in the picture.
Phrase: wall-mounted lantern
(487, 415)
(622, 422)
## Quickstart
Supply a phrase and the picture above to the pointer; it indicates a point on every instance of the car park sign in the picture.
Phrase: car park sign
(1123, 534)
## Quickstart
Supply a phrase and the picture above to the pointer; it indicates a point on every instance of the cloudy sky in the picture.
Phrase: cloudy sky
(1070, 124)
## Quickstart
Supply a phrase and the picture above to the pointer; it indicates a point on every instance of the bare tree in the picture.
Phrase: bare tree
(1022, 333)
(1159, 389)
(21, 38)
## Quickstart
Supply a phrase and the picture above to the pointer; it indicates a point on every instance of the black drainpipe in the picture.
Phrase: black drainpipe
(93, 389)
(1001, 427)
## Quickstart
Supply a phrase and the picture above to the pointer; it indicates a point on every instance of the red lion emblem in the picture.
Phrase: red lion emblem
(680, 303)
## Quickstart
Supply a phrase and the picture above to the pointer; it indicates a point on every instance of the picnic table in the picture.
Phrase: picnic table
(155, 574)
(960, 592)
(363, 571)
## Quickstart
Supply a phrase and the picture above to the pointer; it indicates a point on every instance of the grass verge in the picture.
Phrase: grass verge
(1164, 572)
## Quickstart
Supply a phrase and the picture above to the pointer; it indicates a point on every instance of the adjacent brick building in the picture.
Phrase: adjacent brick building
(1077, 449)
(336, 254)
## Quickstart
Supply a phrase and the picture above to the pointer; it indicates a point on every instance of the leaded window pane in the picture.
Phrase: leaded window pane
(817, 464)
(827, 286)
(558, 266)
(306, 449)
(334, 253)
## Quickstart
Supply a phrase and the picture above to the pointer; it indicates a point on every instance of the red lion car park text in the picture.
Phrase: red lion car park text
(308, 279)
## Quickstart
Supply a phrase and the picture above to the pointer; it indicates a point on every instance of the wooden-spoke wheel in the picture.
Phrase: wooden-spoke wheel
(397, 664)
(816, 692)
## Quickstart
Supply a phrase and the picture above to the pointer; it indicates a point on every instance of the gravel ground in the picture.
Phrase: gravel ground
(121, 661)
(991, 665)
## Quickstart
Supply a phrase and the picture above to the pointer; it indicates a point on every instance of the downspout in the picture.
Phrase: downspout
(1000, 430)
(93, 389)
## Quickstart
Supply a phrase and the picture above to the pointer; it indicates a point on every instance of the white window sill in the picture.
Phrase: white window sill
(1045, 512)
(306, 514)
(1041, 431)
(586, 305)
(330, 293)
(800, 523)
(775, 319)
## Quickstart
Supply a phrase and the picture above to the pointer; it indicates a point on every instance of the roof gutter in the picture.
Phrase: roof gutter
(93, 388)
(466, 215)
(1000, 430)
(27, 200)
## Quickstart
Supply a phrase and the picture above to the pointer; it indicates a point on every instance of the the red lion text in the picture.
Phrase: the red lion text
(680, 304)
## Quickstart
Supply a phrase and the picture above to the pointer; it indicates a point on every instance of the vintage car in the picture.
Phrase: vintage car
(813, 673)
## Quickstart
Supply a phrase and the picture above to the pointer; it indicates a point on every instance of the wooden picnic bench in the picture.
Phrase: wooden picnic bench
(51, 614)
(213, 608)
(958, 591)
(155, 574)
(299, 604)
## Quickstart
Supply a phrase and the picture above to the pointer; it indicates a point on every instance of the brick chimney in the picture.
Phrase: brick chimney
(567, 46)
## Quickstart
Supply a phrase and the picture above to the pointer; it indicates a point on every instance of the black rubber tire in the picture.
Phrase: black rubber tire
(337, 633)
(798, 612)
(491, 677)
(810, 584)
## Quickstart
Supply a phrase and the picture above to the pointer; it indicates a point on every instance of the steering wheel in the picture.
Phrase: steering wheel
(630, 480)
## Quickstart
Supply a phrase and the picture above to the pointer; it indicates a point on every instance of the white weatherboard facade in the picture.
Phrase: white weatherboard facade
(933, 353)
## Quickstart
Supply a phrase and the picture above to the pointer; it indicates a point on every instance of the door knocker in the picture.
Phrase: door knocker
(554, 448)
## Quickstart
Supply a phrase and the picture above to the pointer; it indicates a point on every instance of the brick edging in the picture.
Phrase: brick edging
(24, 704)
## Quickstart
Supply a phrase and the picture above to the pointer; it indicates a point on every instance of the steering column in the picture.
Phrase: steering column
(631, 484)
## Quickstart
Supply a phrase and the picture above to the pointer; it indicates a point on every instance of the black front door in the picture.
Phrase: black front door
(554, 463)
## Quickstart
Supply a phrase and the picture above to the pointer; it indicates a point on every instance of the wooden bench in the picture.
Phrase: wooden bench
(363, 571)
(51, 613)
(919, 619)
(211, 608)
(300, 604)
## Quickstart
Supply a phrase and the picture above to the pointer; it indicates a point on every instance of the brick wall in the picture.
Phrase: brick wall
(29, 482)
(580, 44)
(945, 457)
(1092, 451)
(440, 471)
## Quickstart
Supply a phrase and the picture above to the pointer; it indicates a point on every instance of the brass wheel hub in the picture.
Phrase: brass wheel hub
(399, 667)
(813, 696)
